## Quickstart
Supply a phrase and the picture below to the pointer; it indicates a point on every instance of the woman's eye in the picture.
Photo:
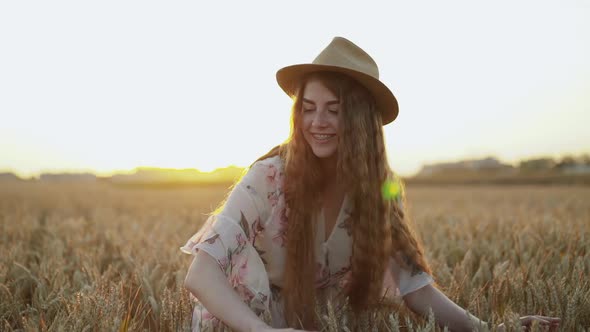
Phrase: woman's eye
(308, 110)
(333, 111)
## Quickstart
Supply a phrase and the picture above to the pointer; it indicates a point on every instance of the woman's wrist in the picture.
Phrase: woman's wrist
(256, 325)
(479, 325)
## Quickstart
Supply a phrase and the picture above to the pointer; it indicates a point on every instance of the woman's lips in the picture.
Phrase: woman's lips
(322, 138)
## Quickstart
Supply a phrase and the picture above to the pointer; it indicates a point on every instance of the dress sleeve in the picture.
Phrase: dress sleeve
(228, 236)
(400, 281)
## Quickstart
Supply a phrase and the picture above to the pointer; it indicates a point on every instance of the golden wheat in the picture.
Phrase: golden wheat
(96, 257)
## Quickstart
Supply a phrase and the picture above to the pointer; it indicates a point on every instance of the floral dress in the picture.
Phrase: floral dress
(247, 238)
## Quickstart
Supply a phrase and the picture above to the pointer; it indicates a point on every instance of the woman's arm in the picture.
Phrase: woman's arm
(446, 312)
(208, 283)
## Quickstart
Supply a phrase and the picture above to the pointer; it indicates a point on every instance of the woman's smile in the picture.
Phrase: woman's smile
(323, 138)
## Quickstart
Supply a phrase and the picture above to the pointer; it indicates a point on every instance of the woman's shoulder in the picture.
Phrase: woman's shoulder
(274, 161)
(267, 166)
(266, 173)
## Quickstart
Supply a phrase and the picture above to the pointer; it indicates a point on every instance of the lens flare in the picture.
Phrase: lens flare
(391, 189)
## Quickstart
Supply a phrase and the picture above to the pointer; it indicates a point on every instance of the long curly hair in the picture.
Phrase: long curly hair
(380, 230)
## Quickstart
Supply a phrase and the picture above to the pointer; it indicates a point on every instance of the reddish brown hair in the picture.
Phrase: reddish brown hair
(379, 228)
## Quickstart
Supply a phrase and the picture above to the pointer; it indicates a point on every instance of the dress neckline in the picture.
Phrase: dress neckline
(322, 223)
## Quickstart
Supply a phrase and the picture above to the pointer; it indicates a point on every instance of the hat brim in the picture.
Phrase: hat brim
(289, 78)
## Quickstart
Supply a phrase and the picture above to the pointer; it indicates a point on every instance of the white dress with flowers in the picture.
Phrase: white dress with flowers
(247, 238)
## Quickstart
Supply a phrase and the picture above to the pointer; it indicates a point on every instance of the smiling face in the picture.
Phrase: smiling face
(321, 119)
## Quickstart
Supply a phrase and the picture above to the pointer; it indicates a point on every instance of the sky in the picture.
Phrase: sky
(108, 85)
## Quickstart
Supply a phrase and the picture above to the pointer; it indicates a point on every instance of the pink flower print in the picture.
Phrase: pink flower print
(245, 294)
(322, 276)
(347, 225)
(257, 228)
(243, 271)
(283, 216)
(271, 175)
(240, 240)
(212, 239)
(209, 319)
(341, 277)
(262, 297)
(207, 315)
(239, 273)
(273, 198)
(345, 280)
(224, 263)
(280, 237)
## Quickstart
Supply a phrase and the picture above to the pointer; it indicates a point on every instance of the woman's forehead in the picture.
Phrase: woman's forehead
(316, 91)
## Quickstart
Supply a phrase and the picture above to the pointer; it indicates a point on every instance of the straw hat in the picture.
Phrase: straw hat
(343, 56)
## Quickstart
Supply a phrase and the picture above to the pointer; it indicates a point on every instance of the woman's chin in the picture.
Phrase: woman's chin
(323, 153)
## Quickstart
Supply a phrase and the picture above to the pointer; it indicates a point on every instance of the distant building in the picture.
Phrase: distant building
(9, 177)
(576, 169)
(487, 164)
(573, 165)
(67, 177)
(537, 164)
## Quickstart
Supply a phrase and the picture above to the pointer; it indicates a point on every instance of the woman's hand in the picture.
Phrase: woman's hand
(281, 330)
(551, 322)
(262, 327)
(266, 328)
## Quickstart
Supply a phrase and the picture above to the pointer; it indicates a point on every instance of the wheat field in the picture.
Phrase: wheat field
(93, 257)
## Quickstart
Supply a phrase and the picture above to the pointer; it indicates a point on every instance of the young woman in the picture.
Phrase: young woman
(320, 217)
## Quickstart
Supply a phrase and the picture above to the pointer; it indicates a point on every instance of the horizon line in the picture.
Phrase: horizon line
(113, 172)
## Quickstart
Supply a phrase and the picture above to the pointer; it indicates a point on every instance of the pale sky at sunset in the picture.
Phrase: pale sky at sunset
(111, 85)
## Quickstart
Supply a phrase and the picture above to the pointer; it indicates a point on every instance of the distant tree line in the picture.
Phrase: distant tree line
(566, 170)
(568, 162)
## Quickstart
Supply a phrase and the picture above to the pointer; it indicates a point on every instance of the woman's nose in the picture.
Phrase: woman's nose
(319, 119)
